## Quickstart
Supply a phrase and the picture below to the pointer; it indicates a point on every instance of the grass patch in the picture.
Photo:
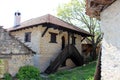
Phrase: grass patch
(80, 73)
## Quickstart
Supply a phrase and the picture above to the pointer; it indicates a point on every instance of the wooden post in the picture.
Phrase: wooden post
(68, 42)
(97, 75)
(72, 39)
(68, 38)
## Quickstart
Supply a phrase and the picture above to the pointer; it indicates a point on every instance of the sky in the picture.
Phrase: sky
(28, 9)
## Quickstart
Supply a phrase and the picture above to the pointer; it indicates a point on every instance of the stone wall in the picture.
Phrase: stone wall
(47, 51)
(10, 45)
(2, 67)
(110, 24)
(35, 38)
(16, 61)
(13, 53)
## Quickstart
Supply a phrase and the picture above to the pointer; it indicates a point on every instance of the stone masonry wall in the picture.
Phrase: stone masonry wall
(10, 45)
(35, 37)
(14, 53)
(17, 61)
(110, 60)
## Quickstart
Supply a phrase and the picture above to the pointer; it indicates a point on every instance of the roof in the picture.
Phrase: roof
(94, 7)
(49, 19)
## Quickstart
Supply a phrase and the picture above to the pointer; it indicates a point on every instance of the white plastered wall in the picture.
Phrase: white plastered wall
(110, 59)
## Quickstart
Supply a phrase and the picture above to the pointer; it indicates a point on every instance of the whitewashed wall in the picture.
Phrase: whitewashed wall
(110, 24)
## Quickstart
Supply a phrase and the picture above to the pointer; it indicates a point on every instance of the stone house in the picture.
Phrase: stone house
(13, 53)
(48, 36)
(109, 13)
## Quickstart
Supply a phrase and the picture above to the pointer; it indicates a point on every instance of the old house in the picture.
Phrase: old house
(109, 13)
(50, 37)
(13, 53)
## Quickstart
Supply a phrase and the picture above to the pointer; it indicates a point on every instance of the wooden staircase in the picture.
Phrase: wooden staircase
(69, 51)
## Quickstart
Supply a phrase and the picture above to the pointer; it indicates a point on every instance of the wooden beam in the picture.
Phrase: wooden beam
(44, 32)
(68, 38)
(97, 75)
(72, 39)
(68, 42)
(104, 2)
(83, 39)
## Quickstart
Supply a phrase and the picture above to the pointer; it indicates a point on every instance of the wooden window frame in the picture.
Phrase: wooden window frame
(53, 37)
(27, 37)
(73, 40)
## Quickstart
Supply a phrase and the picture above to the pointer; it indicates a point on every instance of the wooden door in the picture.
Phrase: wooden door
(63, 42)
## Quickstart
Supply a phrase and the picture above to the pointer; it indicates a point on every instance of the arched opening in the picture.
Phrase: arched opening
(70, 63)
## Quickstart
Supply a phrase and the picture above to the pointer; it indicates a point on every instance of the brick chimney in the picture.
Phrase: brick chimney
(17, 19)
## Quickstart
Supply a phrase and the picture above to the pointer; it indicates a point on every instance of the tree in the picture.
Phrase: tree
(74, 13)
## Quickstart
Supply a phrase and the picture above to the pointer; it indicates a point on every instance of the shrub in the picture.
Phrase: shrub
(28, 73)
(7, 76)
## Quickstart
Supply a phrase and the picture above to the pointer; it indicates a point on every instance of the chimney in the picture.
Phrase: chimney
(17, 19)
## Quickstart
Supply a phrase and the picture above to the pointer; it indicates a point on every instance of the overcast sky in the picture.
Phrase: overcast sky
(28, 8)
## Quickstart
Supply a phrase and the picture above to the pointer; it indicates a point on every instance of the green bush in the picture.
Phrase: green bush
(7, 76)
(28, 73)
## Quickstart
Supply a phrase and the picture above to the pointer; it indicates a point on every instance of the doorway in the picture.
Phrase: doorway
(63, 42)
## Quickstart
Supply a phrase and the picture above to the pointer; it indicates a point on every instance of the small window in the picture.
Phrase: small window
(73, 40)
(53, 37)
(28, 37)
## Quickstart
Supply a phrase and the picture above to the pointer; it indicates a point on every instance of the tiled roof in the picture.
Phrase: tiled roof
(52, 20)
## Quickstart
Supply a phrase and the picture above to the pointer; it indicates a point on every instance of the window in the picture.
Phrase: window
(53, 37)
(73, 40)
(28, 37)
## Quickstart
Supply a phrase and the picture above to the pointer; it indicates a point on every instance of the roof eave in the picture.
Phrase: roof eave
(95, 7)
(62, 28)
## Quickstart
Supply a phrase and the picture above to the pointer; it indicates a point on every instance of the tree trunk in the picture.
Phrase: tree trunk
(97, 75)
(93, 53)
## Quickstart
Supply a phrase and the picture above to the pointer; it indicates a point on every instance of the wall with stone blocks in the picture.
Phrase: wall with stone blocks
(35, 38)
(13, 53)
(16, 61)
(10, 45)
(110, 59)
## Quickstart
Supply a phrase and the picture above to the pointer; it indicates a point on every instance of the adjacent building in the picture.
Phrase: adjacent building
(13, 53)
(109, 13)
